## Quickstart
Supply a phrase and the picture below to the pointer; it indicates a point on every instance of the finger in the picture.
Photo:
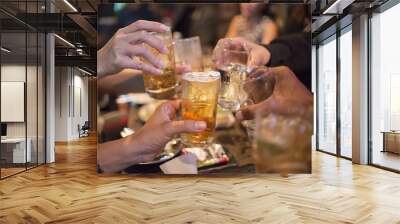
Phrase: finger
(183, 68)
(145, 25)
(286, 82)
(238, 44)
(169, 109)
(141, 50)
(281, 106)
(247, 113)
(254, 62)
(127, 62)
(258, 55)
(289, 107)
(217, 56)
(225, 44)
(259, 71)
(145, 37)
(183, 126)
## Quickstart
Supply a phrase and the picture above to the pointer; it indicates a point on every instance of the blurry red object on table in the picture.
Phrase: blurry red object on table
(209, 156)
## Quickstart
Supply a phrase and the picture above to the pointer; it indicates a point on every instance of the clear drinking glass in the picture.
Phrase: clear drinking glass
(258, 87)
(162, 86)
(282, 144)
(199, 102)
(188, 53)
(233, 75)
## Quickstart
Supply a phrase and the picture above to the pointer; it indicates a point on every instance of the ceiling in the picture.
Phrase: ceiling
(76, 22)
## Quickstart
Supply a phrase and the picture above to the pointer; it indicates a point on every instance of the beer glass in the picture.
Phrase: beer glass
(162, 86)
(199, 102)
(188, 53)
(282, 144)
(233, 75)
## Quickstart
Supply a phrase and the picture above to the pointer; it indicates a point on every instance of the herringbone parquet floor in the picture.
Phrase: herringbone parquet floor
(70, 191)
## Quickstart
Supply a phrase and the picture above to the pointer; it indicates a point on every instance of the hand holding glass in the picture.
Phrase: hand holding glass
(234, 72)
(199, 103)
(162, 86)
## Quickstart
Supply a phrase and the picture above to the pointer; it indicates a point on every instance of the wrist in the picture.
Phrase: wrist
(137, 146)
(267, 56)
(100, 64)
(133, 148)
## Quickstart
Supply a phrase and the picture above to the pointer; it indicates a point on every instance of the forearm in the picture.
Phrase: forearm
(117, 155)
(109, 84)
(293, 51)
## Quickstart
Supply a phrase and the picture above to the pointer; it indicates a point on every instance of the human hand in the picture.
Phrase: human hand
(128, 42)
(276, 90)
(258, 55)
(162, 127)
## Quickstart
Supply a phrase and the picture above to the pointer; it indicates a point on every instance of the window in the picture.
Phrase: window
(22, 77)
(385, 89)
(327, 96)
(314, 91)
(346, 75)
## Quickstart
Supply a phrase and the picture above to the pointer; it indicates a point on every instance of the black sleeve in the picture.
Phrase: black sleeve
(293, 51)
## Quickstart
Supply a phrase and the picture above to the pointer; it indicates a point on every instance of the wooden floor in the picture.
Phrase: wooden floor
(387, 159)
(70, 191)
(10, 171)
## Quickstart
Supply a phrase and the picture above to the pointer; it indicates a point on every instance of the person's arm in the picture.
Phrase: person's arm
(145, 144)
(270, 33)
(107, 84)
(293, 51)
(232, 30)
(117, 155)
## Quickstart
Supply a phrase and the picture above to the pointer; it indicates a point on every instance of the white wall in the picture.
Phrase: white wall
(61, 104)
(13, 73)
(71, 93)
(33, 127)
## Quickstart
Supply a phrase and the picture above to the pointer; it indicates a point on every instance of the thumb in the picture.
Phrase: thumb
(177, 127)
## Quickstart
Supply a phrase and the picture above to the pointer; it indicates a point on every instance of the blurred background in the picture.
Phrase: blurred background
(209, 21)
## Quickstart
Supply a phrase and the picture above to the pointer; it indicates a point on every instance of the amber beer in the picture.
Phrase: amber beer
(162, 86)
(199, 103)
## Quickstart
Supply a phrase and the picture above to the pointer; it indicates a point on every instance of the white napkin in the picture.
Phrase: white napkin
(184, 164)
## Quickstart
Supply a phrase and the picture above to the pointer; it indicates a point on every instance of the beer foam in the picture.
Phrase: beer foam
(208, 76)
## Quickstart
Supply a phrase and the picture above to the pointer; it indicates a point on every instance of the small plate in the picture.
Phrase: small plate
(172, 148)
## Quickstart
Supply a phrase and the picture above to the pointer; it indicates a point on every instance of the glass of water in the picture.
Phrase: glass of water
(233, 75)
